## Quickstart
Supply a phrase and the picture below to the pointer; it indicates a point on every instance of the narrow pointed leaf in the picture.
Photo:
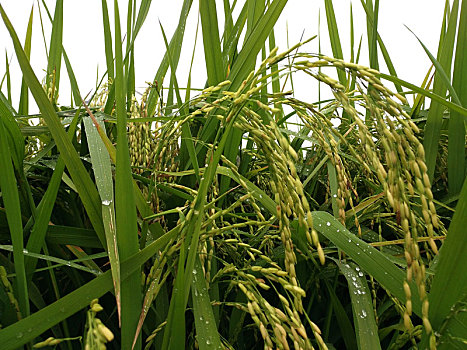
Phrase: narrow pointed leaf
(10, 197)
(211, 42)
(370, 260)
(435, 114)
(364, 317)
(103, 173)
(205, 323)
(79, 175)
(457, 132)
(55, 53)
(125, 208)
(24, 96)
(13, 337)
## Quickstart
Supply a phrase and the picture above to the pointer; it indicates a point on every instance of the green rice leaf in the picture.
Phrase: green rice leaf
(79, 175)
(125, 208)
(346, 327)
(24, 96)
(103, 172)
(45, 207)
(449, 288)
(11, 202)
(15, 139)
(206, 329)
(109, 57)
(364, 317)
(456, 145)
(55, 54)
(384, 51)
(175, 47)
(370, 260)
(212, 45)
(435, 114)
(334, 38)
(455, 107)
(14, 336)
(187, 140)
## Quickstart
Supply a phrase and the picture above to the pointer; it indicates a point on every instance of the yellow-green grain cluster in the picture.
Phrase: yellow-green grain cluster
(97, 335)
(398, 161)
(9, 291)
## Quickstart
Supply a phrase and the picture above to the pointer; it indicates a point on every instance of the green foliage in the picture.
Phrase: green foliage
(240, 216)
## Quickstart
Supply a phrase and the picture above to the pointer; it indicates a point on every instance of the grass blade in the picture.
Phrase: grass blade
(440, 71)
(372, 30)
(79, 175)
(212, 45)
(109, 56)
(24, 96)
(246, 59)
(13, 337)
(334, 38)
(175, 46)
(125, 208)
(242, 66)
(16, 139)
(364, 317)
(456, 145)
(382, 47)
(435, 114)
(7, 76)
(447, 295)
(103, 172)
(206, 330)
(345, 325)
(10, 198)
(45, 207)
(371, 260)
(454, 107)
(55, 53)
(187, 139)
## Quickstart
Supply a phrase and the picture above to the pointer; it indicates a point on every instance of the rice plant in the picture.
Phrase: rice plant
(235, 215)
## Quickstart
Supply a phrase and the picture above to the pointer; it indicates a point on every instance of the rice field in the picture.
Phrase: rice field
(234, 215)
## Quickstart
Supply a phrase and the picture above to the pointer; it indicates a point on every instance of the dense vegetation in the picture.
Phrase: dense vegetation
(235, 216)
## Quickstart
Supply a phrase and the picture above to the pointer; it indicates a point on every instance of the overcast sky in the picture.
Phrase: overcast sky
(83, 37)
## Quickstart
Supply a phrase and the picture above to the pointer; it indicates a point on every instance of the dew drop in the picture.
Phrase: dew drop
(19, 335)
(350, 240)
(106, 202)
(25, 251)
(208, 342)
(194, 272)
(360, 274)
(363, 315)
(328, 224)
(357, 268)
(338, 230)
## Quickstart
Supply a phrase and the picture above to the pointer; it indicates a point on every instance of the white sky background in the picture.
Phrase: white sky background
(83, 38)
